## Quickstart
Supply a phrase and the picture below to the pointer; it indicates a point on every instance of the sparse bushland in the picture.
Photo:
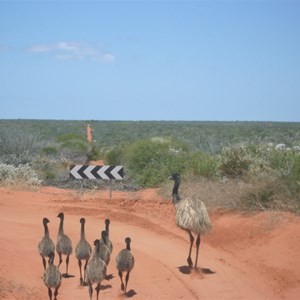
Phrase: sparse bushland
(17, 147)
(238, 170)
(209, 137)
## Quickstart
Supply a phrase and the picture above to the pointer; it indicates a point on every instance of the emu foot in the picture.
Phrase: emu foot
(190, 262)
(123, 287)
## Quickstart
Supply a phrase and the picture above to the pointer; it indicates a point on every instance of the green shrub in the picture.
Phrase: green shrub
(50, 150)
(65, 138)
(235, 161)
(93, 153)
(50, 175)
(75, 148)
(114, 157)
(292, 178)
(204, 164)
(151, 161)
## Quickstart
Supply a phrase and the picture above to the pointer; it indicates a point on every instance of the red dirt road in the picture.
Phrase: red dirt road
(245, 256)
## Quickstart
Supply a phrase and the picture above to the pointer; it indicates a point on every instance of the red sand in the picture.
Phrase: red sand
(246, 256)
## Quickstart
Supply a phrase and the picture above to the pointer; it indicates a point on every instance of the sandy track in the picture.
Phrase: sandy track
(160, 250)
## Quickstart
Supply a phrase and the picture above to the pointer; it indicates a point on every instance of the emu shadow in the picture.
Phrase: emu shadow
(130, 293)
(105, 287)
(109, 277)
(207, 271)
(185, 270)
(67, 275)
(188, 270)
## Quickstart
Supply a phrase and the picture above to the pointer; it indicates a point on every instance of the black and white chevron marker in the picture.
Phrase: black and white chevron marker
(96, 172)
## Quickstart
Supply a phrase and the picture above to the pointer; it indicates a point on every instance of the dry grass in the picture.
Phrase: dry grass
(215, 194)
(234, 194)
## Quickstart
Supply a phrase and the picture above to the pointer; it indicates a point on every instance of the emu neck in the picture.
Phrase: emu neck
(82, 233)
(97, 249)
(175, 194)
(46, 229)
(61, 226)
(104, 239)
(128, 246)
(107, 228)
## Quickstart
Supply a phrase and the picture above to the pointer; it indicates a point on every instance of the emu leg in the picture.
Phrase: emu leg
(126, 281)
(90, 290)
(67, 264)
(50, 293)
(198, 241)
(44, 262)
(122, 284)
(84, 278)
(60, 260)
(79, 264)
(56, 293)
(189, 259)
(98, 290)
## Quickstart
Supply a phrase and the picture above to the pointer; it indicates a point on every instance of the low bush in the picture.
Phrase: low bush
(114, 157)
(75, 148)
(50, 167)
(151, 161)
(235, 161)
(22, 175)
(204, 164)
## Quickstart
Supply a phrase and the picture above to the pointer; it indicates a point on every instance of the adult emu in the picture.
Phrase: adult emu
(191, 216)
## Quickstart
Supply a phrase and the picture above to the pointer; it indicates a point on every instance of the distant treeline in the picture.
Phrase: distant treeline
(207, 136)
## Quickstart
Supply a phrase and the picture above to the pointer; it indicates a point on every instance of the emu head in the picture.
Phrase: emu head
(61, 216)
(45, 221)
(96, 243)
(176, 177)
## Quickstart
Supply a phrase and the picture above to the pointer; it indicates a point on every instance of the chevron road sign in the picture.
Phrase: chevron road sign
(96, 172)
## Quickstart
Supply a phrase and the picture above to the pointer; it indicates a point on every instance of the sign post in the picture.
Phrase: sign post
(97, 172)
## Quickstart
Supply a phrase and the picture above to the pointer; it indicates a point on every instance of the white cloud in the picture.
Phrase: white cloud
(40, 48)
(74, 51)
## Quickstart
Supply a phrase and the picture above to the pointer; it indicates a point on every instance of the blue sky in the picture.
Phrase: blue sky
(150, 60)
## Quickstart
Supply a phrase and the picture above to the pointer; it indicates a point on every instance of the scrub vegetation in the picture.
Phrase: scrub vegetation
(245, 165)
